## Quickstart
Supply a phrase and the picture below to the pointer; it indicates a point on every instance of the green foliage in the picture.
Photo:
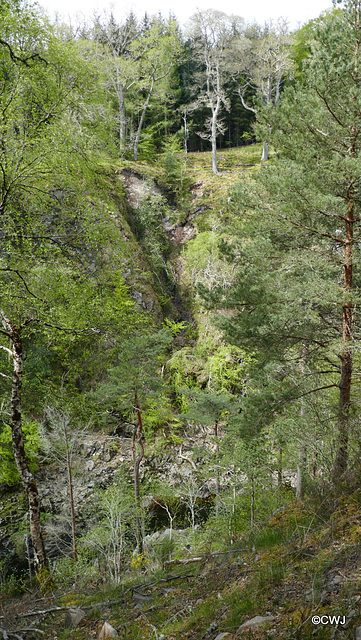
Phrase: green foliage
(150, 215)
(290, 289)
(209, 367)
(204, 266)
(147, 146)
(12, 587)
(175, 167)
(8, 471)
(166, 549)
(158, 414)
(175, 327)
(136, 375)
(66, 571)
(208, 407)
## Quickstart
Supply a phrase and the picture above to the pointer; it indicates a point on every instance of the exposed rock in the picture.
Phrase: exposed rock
(73, 617)
(142, 597)
(143, 301)
(159, 536)
(225, 635)
(107, 631)
(183, 233)
(138, 297)
(257, 621)
(137, 188)
(358, 633)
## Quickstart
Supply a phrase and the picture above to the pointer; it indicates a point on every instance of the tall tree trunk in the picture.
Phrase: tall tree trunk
(340, 465)
(121, 119)
(138, 439)
(264, 157)
(341, 458)
(27, 478)
(214, 142)
(141, 121)
(301, 462)
(71, 496)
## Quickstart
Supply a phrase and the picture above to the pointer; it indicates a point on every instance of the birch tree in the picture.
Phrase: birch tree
(264, 61)
(211, 32)
(119, 63)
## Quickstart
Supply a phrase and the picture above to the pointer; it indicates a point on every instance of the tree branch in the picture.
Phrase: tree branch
(15, 58)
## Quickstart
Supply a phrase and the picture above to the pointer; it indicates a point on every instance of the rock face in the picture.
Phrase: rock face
(98, 459)
(101, 457)
(137, 187)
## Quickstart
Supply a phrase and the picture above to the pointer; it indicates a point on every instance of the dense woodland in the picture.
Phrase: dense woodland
(180, 286)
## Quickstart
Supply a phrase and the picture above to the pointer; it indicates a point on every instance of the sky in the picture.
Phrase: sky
(251, 10)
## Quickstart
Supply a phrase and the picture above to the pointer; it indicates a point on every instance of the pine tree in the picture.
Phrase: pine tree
(298, 280)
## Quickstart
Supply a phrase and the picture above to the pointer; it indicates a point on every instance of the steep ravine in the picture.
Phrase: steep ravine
(139, 187)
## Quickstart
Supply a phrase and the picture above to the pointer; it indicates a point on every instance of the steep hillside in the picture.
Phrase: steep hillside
(228, 551)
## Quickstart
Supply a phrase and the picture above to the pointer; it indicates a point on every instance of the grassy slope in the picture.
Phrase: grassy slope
(304, 561)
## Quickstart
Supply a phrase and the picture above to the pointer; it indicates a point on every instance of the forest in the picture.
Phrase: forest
(180, 371)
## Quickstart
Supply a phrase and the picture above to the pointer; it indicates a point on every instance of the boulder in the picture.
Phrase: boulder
(72, 617)
(257, 621)
(224, 636)
(107, 631)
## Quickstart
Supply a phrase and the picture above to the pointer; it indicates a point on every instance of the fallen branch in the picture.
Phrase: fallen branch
(55, 609)
(169, 563)
(42, 612)
(203, 558)
(187, 608)
(8, 634)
